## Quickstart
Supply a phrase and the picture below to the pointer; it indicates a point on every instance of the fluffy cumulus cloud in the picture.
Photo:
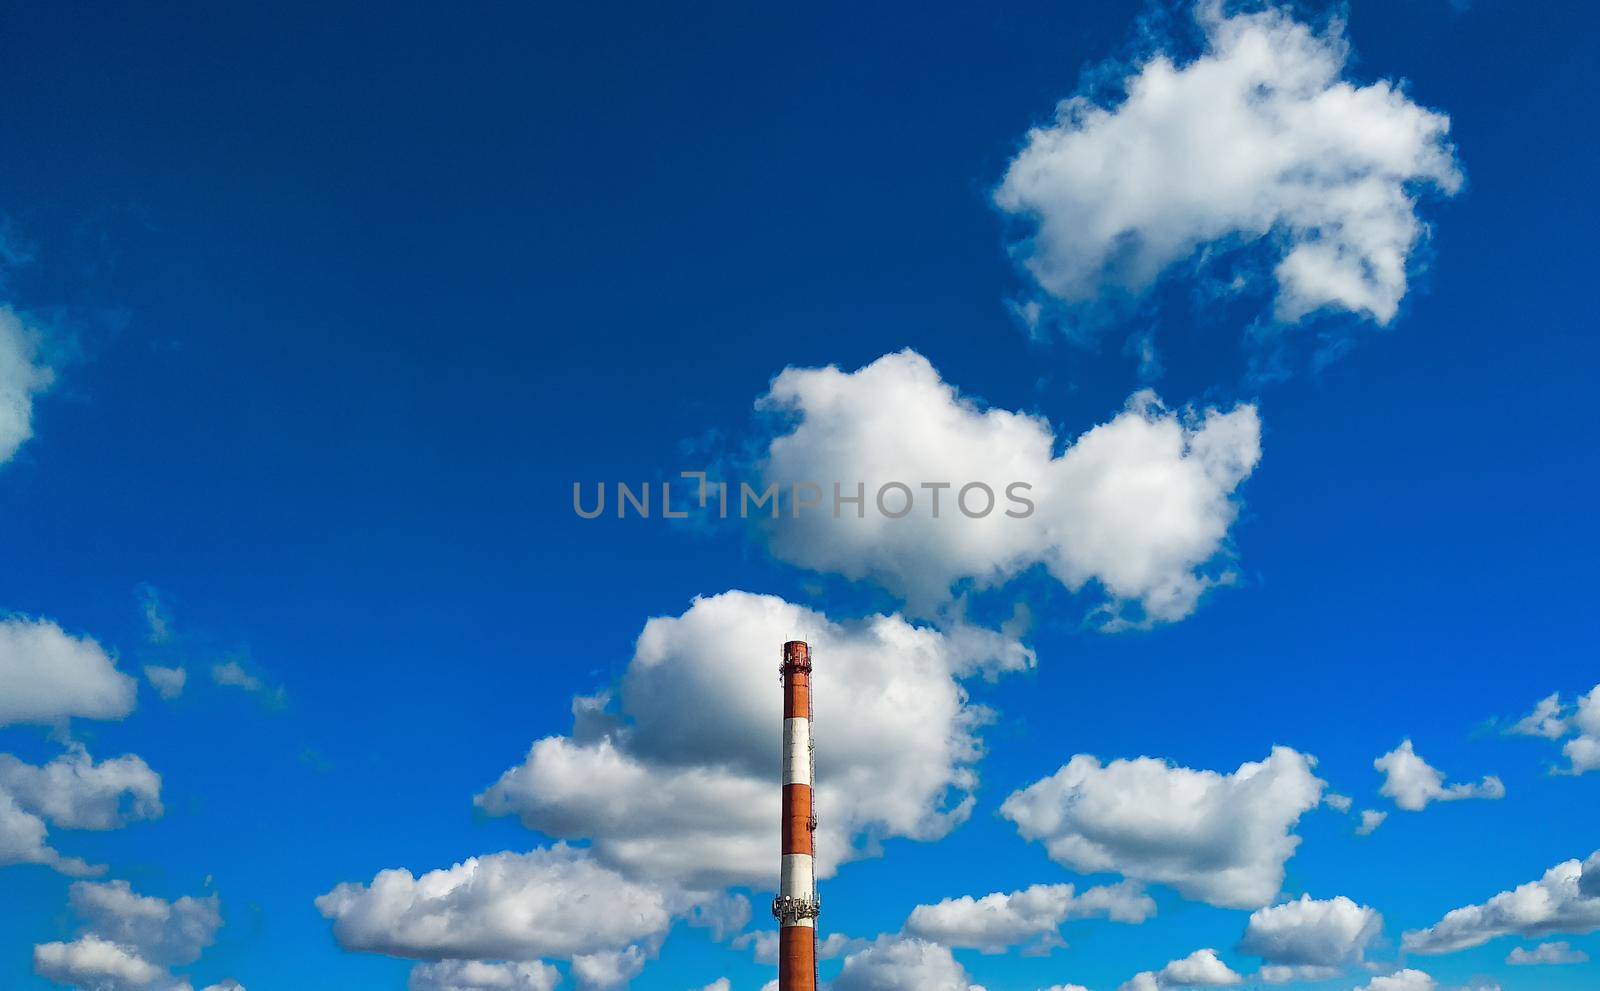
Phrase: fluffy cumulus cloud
(1259, 139)
(901, 963)
(1553, 720)
(1401, 980)
(555, 902)
(1308, 939)
(128, 941)
(479, 975)
(1218, 838)
(1583, 750)
(999, 921)
(1139, 505)
(1200, 969)
(70, 792)
(47, 675)
(1546, 954)
(74, 792)
(94, 963)
(170, 933)
(1565, 900)
(664, 793)
(22, 378)
(608, 968)
(1413, 783)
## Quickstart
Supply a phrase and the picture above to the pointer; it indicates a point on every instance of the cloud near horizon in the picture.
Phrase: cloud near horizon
(130, 942)
(1310, 939)
(997, 922)
(1566, 900)
(550, 902)
(1222, 839)
(1200, 969)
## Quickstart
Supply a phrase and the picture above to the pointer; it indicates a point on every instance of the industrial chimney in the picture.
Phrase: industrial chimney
(797, 905)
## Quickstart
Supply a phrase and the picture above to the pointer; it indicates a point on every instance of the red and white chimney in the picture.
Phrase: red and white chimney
(797, 905)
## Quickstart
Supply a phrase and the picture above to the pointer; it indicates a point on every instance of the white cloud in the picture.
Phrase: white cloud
(1403, 980)
(1583, 750)
(675, 807)
(1412, 783)
(22, 378)
(608, 968)
(1200, 969)
(1548, 719)
(1066, 987)
(227, 985)
(1140, 505)
(168, 682)
(1218, 838)
(479, 975)
(1589, 878)
(899, 963)
(554, 902)
(999, 921)
(720, 984)
(22, 841)
(1546, 953)
(664, 793)
(1556, 903)
(1552, 720)
(169, 933)
(1338, 803)
(47, 676)
(129, 941)
(72, 792)
(93, 963)
(1584, 753)
(1260, 139)
(1371, 819)
(1308, 939)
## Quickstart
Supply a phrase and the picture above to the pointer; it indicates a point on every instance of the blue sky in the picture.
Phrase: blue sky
(335, 309)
